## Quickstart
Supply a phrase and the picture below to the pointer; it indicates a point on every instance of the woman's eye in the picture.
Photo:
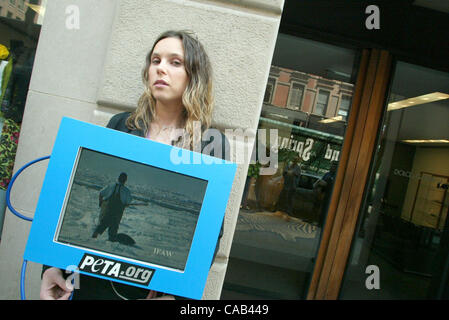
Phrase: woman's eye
(155, 60)
(177, 62)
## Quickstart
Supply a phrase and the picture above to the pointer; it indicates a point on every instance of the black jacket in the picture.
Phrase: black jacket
(118, 122)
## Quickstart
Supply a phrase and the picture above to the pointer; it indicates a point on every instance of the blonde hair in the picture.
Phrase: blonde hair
(197, 98)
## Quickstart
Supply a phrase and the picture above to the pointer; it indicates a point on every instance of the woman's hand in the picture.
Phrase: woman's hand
(153, 295)
(53, 285)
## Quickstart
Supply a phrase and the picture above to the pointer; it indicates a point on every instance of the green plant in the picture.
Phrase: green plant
(254, 170)
(287, 155)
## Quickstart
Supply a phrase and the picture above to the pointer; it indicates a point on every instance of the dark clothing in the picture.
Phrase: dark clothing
(14, 98)
(292, 174)
(118, 122)
(329, 178)
(111, 212)
(92, 288)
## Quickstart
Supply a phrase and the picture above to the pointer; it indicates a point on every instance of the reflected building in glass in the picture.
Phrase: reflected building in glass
(307, 100)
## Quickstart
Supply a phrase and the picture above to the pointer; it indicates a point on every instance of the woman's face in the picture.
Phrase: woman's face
(167, 75)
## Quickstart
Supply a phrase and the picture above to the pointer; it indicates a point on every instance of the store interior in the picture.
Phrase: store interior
(403, 225)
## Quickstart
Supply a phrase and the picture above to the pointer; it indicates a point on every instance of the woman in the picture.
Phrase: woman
(178, 95)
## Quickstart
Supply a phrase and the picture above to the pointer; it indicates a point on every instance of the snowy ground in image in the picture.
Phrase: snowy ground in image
(162, 227)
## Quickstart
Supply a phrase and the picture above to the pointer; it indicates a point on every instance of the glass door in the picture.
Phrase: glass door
(403, 231)
(282, 216)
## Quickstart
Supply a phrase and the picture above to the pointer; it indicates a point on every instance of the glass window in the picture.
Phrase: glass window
(21, 5)
(282, 215)
(344, 106)
(296, 95)
(269, 90)
(321, 104)
(19, 34)
(400, 248)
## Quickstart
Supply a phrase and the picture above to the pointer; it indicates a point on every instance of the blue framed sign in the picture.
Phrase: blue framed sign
(122, 208)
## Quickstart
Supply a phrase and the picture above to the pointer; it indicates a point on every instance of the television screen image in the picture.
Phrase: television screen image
(129, 209)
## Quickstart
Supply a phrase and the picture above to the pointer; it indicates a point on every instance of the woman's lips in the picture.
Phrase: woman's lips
(160, 83)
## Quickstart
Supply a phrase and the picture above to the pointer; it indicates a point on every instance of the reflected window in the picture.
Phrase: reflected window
(296, 96)
(21, 5)
(344, 107)
(322, 101)
(269, 90)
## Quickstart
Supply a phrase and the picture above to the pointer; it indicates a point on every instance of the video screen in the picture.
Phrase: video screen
(131, 210)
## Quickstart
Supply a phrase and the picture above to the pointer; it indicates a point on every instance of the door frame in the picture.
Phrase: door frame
(352, 176)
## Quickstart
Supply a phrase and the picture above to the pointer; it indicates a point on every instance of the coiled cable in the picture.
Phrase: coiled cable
(18, 214)
(13, 179)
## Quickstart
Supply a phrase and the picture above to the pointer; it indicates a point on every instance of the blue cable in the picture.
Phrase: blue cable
(8, 191)
(18, 214)
(22, 280)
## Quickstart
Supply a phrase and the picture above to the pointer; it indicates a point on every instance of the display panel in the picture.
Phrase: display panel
(127, 209)
(156, 226)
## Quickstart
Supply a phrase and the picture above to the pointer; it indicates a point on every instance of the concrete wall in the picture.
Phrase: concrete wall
(93, 72)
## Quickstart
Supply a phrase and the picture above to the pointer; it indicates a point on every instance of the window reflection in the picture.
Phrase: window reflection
(282, 215)
(20, 25)
(31, 11)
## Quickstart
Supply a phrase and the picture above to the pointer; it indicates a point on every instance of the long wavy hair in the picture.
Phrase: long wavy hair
(197, 98)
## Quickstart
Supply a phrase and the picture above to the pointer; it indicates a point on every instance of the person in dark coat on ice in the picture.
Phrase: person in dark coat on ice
(112, 200)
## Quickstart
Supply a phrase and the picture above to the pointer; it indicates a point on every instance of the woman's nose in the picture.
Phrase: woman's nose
(161, 67)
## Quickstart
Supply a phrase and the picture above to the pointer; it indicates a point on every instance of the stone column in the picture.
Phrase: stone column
(88, 67)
